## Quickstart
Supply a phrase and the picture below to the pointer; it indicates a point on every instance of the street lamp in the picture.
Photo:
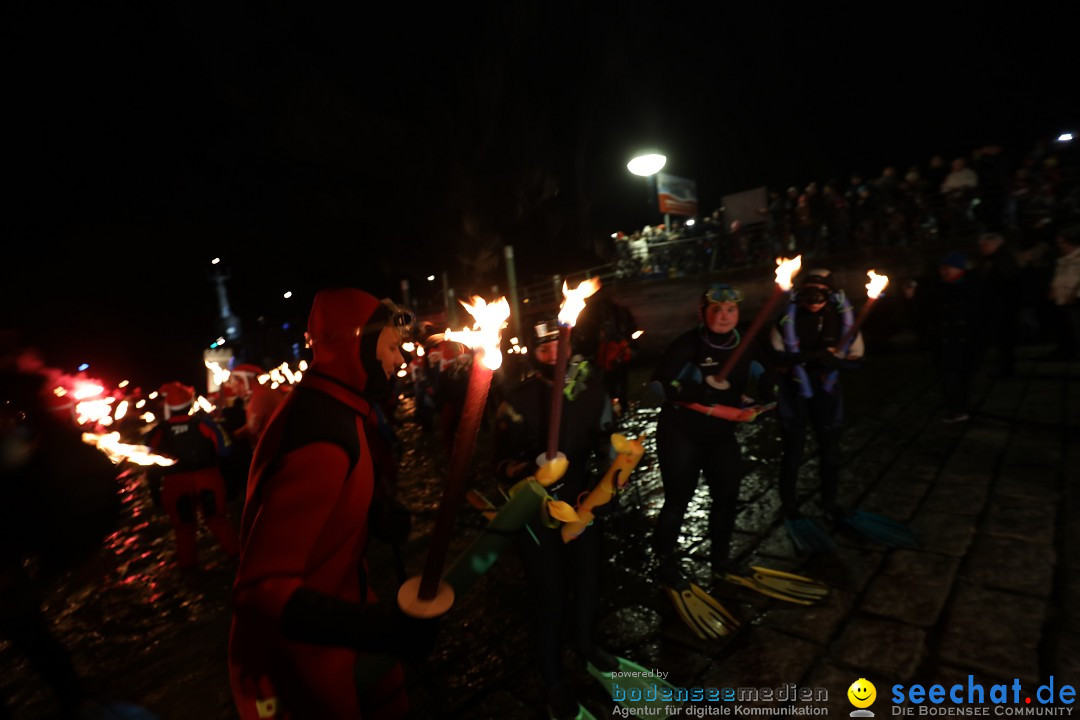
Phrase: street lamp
(647, 165)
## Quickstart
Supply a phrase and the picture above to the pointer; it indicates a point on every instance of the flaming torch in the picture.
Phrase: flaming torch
(874, 288)
(785, 269)
(426, 596)
(572, 305)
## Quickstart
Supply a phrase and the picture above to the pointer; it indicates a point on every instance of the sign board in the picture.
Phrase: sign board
(746, 206)
(676, 195)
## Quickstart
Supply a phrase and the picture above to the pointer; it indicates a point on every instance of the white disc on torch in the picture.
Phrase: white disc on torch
(711, 381)
(409, 601)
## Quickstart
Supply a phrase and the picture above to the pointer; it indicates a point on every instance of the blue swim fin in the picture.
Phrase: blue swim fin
(879, 529)
(808, 537)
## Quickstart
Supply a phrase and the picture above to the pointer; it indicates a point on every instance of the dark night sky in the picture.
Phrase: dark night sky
(143, 141)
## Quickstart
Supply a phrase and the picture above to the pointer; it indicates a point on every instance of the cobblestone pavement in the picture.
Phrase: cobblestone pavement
(992, 589)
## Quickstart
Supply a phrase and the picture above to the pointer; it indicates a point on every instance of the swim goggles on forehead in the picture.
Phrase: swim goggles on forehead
(720, 293)
(401, 319)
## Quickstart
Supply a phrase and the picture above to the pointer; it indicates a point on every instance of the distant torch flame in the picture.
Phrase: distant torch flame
(117, 451)
(221, 375)
(85, 390)
(785, 269)
(483, 337)
(121, 410)
(637, 334)
(574, 300)
(94, 411)
(201, 403)
(877, 284)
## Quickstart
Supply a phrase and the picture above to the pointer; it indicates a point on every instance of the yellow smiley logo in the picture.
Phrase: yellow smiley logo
(862, 693)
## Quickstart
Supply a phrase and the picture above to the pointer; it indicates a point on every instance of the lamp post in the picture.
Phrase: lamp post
(647, 165)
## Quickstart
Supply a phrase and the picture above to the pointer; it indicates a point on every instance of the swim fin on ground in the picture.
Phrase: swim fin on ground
(878, 528)
(808, 537)
(780, 585)
(700, 611)
(635, 687)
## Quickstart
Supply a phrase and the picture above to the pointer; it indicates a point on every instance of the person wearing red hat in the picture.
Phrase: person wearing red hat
(260, 401)
(305, 617)
(194, 483)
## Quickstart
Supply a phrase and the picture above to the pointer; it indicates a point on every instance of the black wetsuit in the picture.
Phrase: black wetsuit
(823, 409)
(554, 567)
(689, 442)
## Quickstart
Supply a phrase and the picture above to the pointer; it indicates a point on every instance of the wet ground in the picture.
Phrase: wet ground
(992, 589)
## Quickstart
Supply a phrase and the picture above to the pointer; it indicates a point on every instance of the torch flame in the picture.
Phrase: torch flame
(221, 375)
(785, 269)
(877, 284)
(574, 300)
(86, 390)
(483, 337)
(109, 443)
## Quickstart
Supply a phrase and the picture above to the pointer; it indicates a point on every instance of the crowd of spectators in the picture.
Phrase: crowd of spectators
(1026, 197)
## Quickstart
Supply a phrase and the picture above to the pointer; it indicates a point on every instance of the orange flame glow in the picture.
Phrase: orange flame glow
(483, 337)
(785, 269)
(109, 443)
(574, 300)
(877, 284)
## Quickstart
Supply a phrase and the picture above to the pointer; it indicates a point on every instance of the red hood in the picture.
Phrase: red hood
(343, 336)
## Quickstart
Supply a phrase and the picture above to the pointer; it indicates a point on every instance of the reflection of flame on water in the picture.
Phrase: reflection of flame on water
(574, 300)
(483, 337)
(109, 443)
(877, 284)
(785, 269)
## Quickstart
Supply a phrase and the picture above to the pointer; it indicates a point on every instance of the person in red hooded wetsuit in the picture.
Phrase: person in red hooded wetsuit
(304, 615)
(194, 483)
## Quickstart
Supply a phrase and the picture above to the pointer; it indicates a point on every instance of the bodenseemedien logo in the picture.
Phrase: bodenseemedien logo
(862, 694)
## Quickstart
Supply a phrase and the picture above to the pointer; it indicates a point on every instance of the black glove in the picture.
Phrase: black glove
(389, 520)
(827, 360)
(314, 617)
(416, 636)
(690, 392)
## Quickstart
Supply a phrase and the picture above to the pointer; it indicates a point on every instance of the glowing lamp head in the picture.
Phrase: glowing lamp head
(646, 165)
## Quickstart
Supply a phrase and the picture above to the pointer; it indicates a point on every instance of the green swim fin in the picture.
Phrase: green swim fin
(780, 585)
(700, 611)
(635, 687)
(583, 714)
(878, 528)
